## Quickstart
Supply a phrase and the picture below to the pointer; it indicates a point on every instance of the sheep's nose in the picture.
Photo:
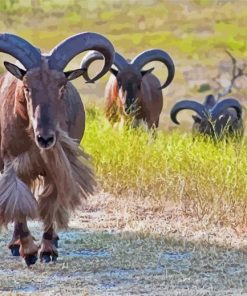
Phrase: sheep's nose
(46, 141)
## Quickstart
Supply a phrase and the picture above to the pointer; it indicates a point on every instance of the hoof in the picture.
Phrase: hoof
(54, 258)
(30, 259)
(47, 257)
(15, 250)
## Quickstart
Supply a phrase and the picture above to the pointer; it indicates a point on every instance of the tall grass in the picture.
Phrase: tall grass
(207, 178)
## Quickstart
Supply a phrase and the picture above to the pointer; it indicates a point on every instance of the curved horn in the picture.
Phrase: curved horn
(209, 102)
(89, 58)
(20, 49)
(93, 55)
(156, 55)
(187, 104)
(119, 61)
(225, 104)
(65, 51)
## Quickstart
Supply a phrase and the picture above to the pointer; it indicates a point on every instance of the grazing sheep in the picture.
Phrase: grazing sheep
(214, 118)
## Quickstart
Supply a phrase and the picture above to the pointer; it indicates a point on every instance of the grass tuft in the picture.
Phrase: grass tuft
(208, 178)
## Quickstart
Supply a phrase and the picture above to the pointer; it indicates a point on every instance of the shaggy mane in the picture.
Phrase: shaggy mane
(69, 169)
(61, 178)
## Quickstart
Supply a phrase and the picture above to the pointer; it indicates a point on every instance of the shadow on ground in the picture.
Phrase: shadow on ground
(125, 263)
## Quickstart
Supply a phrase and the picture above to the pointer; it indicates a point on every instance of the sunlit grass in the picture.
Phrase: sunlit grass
(209, 178)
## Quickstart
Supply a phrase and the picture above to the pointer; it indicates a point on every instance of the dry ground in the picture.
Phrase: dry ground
(132, 247)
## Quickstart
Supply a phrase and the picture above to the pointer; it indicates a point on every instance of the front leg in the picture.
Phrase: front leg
(48, 249)
(14, 244)
(48, 208)
(22, 238)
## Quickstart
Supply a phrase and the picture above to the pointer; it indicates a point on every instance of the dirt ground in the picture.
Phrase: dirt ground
(131, 247)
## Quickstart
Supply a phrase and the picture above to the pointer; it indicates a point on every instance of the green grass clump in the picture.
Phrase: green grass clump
(207, 177)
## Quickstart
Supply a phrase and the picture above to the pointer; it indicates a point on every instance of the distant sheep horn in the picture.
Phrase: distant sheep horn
(225, 104)
(87, 60)
(65, 51)
(20, 49)
(156, 55)
(92, 56)
(187, 104)
(209, 102)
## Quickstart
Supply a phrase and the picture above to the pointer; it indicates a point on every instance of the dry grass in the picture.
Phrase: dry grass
(131, 248)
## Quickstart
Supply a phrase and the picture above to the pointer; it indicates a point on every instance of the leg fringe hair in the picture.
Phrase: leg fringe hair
(50, 210)
(16, 199)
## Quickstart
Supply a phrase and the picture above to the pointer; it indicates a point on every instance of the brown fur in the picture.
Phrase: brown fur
(149, 98)
(48, 246)
(16, 199)
(27, 246)
(63, 171)
(67, 162)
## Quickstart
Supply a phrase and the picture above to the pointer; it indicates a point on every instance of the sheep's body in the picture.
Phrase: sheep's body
(147, 106)
(42, 121)
(132, 93)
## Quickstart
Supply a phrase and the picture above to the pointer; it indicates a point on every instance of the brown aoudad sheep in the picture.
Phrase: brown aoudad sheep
(213, 118)
(131, 93)
(42, 121)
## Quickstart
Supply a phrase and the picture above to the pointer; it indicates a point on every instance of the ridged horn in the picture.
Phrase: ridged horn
(65, 51)
(20, 49)
(225, 104)
(187, 104)
(156, 55)
(87, 60)
(92, 56)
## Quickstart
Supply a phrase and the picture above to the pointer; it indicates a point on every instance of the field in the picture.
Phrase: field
(169, 216)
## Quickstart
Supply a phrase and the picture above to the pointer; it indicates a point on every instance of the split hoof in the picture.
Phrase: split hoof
(15, 250)
(47, 257)
(30, 259)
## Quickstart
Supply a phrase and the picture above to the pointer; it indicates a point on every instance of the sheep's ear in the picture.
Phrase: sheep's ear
(71, 75)
(114, 72)
(14, 70)
(144, 72)
(196, 118)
